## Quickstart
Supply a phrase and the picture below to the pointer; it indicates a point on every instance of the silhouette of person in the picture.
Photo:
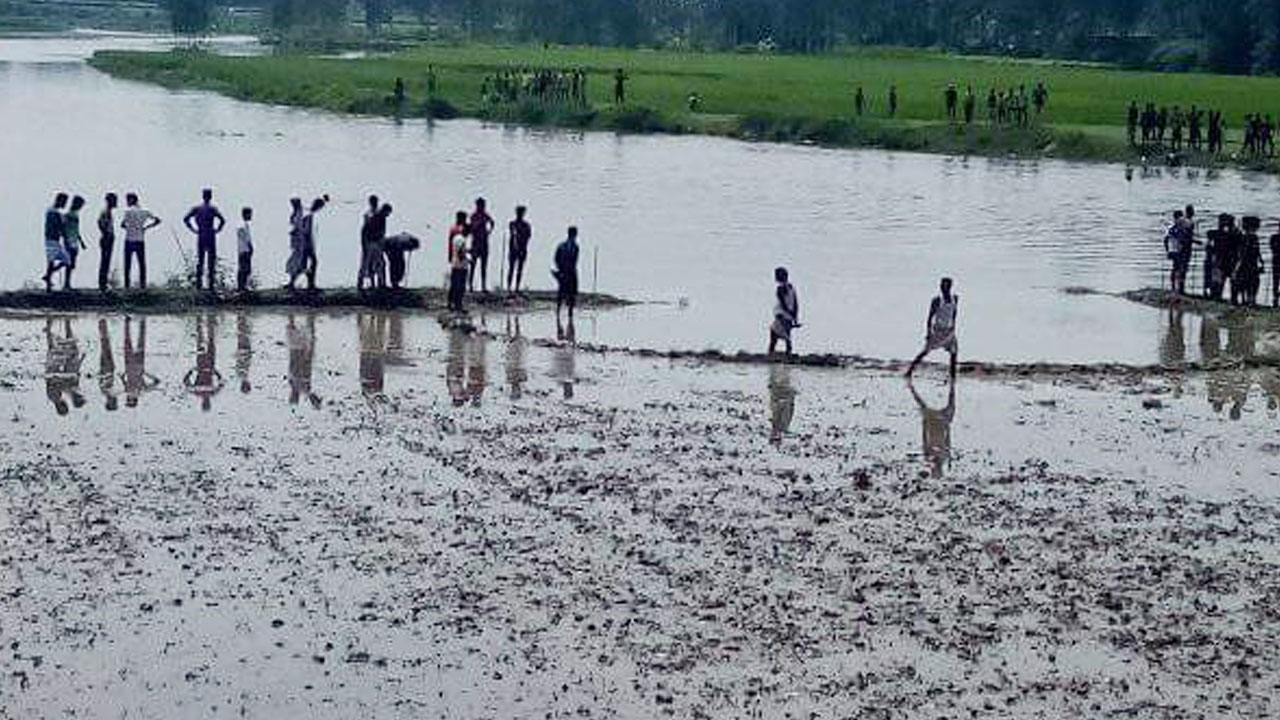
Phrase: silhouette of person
(936, 428)
(204, 381)
(205, 221)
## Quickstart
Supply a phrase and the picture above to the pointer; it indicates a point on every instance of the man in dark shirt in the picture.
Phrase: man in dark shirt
(519, 232)
(205, 221)
(566, 263)
(481, 225)
(54, 230)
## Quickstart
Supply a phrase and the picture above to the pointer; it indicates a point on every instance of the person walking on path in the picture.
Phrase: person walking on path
(566, 273)
(481, 226)
(205, 221)
(786, 312)
(54, 228)
(940, 328)
(620, 87)
(293, 266)
(72, 242)
(458, 261)
(308, 229)
(137, 221)
(519, 233)
(106, 239)
(893, 101)
(244, 250)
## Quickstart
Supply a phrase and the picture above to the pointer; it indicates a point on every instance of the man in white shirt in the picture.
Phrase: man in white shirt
(244, 250)
(137, 221)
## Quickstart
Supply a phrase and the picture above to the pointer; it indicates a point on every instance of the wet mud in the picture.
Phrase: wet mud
(336, 515)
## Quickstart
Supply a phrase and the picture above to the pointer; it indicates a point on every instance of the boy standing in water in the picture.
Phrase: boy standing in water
(940, 328)
(244, 250)
(786, 312)
(519, 232)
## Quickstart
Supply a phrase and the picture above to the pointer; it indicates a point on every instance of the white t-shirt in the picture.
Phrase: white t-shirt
(244, 239)
(135, 224)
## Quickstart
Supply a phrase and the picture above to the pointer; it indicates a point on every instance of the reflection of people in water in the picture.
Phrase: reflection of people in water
(244, 351)
(517, 372)
(1173, 350)
(302, 352)
(782, 401)
(1269, 379)
(476, 380)
(373, 356)
(136, 378)
(936, 425)
(107, 367)
(564, 360)
(62, 367)
(204, 381)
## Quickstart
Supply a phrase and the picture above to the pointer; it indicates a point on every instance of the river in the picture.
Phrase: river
(693, 226)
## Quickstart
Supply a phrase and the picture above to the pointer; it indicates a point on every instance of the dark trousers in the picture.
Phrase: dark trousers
(140, 250)
(206, 257)
(244, 268)
(457, 288)
(107, 246)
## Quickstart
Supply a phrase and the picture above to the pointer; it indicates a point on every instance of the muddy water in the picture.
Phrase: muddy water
(696, 224)
(335, 515)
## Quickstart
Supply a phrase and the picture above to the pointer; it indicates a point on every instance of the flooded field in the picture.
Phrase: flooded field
(354, 513)
(344, 514)
(694, 224)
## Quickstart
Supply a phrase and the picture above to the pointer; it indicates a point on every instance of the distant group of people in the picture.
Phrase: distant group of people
(1233, 257)
(544, 85)
(1174, 130)
(383, 261)
(1004, 107)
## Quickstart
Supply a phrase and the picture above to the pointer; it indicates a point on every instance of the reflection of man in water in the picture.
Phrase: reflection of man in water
(373, 356)
(1269, 379)
(244, 350)
(302, 351)
(62, 367)
(1173, 350)
(564, 360)
(936, 425)
(476, 380)
(106, 367)
(456, 368)
(204, 381)
(517, 373)
(782, 401)
(136, 378)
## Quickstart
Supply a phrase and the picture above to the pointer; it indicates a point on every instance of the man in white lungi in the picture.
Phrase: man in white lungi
(940, 329)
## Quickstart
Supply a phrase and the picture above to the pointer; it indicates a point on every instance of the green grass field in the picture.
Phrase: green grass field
(779, 97)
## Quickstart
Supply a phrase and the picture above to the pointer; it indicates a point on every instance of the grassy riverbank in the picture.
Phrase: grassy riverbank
(783, 98)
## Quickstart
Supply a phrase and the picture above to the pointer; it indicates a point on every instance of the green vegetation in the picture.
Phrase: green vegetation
(790, 98)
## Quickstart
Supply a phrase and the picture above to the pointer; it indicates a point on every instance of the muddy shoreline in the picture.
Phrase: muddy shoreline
(177, 300)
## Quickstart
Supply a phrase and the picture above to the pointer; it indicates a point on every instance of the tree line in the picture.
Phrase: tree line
(1233, 36)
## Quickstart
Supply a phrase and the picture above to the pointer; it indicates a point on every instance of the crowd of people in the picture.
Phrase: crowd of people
(1173, 129)
(1232, 257)
(548, 86)
(383, 257)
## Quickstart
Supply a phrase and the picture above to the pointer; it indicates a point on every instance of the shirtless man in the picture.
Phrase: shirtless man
(940, 328)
